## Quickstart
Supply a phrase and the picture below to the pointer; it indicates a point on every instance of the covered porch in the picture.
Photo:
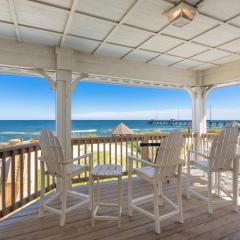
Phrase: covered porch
(116, 42)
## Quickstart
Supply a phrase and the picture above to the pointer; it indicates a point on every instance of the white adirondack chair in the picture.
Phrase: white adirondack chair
(221, 158)
(168, 165)
(57, 166)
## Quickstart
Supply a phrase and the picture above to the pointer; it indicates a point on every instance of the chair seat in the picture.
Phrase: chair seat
(106, 170)
(202, 164)
(145, 171)
(74, 169)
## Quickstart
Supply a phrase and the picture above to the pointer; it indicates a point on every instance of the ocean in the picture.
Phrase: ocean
(26, 129)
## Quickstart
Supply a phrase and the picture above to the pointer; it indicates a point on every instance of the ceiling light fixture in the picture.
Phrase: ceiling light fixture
(181, 14)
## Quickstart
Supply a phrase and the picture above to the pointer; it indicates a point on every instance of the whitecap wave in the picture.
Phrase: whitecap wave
(82, 131)
(13, 133)
(105, 130)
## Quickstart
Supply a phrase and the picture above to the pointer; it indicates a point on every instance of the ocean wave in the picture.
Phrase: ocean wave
(35, 133)
(82, 131)
(13, 133)
(105, 130)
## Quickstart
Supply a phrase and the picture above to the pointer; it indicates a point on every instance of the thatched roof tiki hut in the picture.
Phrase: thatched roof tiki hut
(121, 130)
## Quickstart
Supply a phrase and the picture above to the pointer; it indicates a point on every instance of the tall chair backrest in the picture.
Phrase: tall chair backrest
(169, 155)
(52, 153)
(224, 147)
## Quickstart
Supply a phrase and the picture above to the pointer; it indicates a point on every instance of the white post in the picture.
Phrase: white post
(63, 102)
(199, 113)
(63, 109)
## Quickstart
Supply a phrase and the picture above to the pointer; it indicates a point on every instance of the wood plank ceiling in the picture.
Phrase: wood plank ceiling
(129, 29)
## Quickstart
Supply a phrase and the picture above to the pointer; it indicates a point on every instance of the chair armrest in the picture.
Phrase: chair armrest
(131, 158)
(198, 153)
(237, 156)
(88, 155)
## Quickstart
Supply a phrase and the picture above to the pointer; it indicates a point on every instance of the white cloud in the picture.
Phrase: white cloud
(225, 114)
(184, 114)
(135, 115)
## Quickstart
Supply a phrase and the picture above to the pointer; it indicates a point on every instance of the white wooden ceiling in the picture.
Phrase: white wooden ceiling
(129, 29)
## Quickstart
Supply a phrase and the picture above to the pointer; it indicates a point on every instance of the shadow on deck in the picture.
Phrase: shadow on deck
(198, 224)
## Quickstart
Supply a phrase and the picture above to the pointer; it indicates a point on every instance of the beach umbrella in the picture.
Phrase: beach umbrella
(121, 130)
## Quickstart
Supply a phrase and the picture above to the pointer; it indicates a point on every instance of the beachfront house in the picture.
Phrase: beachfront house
(191, 45)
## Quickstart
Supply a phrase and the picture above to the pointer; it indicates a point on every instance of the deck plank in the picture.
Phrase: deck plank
(198, 224)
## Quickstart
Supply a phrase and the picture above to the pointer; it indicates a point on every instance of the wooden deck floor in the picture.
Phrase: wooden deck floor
(223, 224)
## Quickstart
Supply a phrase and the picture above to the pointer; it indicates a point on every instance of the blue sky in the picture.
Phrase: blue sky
(31, 98)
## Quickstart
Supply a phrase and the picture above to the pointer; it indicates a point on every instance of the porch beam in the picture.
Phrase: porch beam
(33, 56)
(27, 55)
(132, 70)
(225, 75)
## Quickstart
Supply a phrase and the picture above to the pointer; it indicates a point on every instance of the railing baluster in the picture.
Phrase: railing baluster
(21, 159)
(85, 151)
(36, 172)
(110, 151)
(29, 173)
(104, 151)
(115, 150)
(125, 167)
(3, 181)
(131, 146)
(13, 189)
(137, 146)
(98, 153)
(121, 151)
(78, 153)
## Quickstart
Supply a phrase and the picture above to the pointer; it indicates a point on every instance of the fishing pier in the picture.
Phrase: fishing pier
(187, 123)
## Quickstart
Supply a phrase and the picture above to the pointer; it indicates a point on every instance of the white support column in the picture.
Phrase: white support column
(199, 113)
(63, 109)
(199, 95)
(64, 59)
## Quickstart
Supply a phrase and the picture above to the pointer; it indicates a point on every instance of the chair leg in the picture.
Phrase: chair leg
(160, 195)
(98, 193)
(130, 212)
(215, 183)
(235, 189)
(41, 211)
(119, 200)
(179, 196)
(64, 204)
(93, 203)
(156, 207)
(219, 184)
(188, 177)
(210, 209)
(90, 192)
